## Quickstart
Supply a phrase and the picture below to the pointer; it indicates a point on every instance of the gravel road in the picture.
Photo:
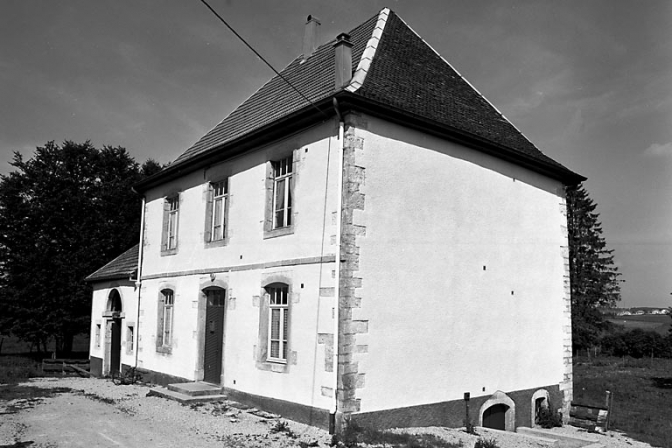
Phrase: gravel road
(101, 414)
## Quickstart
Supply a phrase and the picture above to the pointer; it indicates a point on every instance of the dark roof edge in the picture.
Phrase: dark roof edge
(307, 116)
(404, 118)
(310, 115)
(118, 276)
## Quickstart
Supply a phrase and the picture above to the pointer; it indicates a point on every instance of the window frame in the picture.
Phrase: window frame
(281, 170)
(210, 213)
(98, 334)
(278, 300)
(130, 337)
(170, 226)
(165, 313)
(282, 175)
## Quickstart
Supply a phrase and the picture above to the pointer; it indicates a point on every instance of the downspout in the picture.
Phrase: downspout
(138, 281)
(337, 276)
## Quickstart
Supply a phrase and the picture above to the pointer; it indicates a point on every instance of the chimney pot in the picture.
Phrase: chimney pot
(310, 36)
(343, 62)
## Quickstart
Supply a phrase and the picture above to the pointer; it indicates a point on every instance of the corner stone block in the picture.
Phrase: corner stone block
(351, 406)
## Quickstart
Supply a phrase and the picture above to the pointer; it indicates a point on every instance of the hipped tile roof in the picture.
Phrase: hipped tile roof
(123, 267)
(405, 74)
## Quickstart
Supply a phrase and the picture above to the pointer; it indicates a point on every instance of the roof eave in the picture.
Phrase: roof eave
(93, 278)
(355, 101)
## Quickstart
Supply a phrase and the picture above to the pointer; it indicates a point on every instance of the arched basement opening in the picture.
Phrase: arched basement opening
(495, 417)
(539, 402)
(498, 412)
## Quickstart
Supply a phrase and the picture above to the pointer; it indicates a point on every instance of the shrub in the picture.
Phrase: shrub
(15, 369)
(549, 419)
(282, 427)
(636, 343)
(486, 443)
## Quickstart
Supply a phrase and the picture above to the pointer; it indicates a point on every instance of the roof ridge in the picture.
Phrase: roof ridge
(467, 81)
(369, 52)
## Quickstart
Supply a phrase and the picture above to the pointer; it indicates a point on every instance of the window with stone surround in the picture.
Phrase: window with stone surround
(217, 212)
(166, 313)
(278, 319)
(97, 335)
(171, 208)
(280, 183)
(130, 338)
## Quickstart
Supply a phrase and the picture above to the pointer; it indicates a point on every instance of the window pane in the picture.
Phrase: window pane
(275, 349)
(167, 324)
(275, 324)
(280, 195)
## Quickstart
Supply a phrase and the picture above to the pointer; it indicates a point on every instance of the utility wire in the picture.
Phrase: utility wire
(261, 57)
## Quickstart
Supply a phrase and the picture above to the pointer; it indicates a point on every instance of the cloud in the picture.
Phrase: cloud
(658, 150)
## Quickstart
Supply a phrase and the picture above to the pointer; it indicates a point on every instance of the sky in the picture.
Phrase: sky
(588, 82)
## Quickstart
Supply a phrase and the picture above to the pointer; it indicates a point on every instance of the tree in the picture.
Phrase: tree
(63, 213)
(595, 281)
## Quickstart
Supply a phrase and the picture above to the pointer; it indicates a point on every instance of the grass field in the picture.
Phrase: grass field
(642, 394)
(660, 323)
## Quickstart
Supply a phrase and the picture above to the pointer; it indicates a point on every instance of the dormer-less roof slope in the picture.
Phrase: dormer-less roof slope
(124, 266)
(314, 78)
(399, 75)
(408, 74)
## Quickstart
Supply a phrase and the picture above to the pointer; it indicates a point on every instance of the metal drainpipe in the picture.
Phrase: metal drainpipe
(138, 282)
(337, 276)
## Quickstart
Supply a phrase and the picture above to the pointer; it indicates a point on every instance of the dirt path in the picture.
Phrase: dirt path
(96, 413)
(70, 420)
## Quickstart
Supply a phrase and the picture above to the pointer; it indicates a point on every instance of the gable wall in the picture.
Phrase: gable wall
(461, 273)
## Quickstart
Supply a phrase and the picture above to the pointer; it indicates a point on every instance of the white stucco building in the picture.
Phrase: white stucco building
(374, 255)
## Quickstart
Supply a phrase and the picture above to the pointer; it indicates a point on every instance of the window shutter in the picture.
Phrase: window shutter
(269, 213)
(164, 229)
(208, 214)
(159, 321)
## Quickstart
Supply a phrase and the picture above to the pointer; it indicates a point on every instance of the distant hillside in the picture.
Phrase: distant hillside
(634, 310)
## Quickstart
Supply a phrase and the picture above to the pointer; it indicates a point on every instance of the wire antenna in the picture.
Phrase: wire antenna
(261, 57)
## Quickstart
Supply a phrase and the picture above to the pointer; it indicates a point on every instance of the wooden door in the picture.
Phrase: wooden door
(115, 347)
(214, 336)
(495, 417)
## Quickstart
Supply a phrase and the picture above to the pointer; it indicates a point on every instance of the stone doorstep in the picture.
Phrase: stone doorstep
(195, 389)
(185, 398)
(565, 440)
(541, 441)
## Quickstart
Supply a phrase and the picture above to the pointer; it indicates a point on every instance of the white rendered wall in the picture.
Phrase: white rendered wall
(462, 272)
(243, 263)
(101, 293)
(247, 176)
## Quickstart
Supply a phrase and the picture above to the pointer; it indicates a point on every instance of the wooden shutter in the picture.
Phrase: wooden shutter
(164, 229)
(208, 214)
(159, 320)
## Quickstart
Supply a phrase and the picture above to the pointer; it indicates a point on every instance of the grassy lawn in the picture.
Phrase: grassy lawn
(642, 394)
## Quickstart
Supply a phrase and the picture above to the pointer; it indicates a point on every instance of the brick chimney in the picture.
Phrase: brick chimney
(343, 50)
(310, 36)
